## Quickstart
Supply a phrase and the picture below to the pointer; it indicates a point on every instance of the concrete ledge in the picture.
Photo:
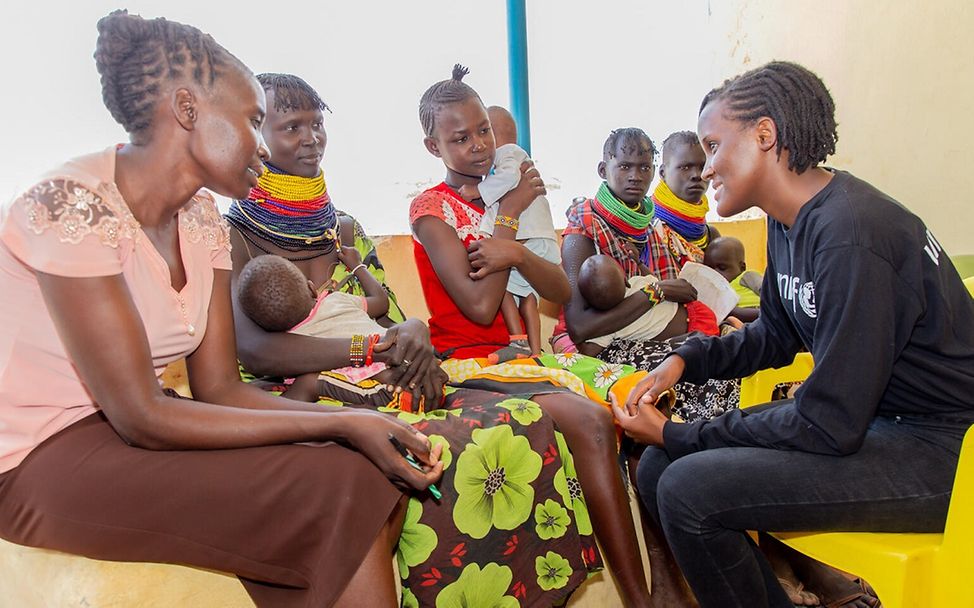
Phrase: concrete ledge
(38, 578)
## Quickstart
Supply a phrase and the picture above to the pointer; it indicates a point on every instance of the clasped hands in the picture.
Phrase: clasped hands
(638, 416)
(406, 349)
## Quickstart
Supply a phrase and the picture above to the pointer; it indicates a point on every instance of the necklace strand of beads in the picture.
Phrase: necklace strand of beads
(290, 211)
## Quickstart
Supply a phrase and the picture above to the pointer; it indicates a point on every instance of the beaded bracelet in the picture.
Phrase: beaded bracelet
(356, 352)
(653, 292)
(370, 349)
(508, 222)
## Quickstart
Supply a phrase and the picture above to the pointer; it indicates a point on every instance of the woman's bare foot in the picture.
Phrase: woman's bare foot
(779, 556)
(833, 588)
(796, 592)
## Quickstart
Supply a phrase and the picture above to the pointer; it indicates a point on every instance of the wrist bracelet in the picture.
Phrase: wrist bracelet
(654, 293)
(356, 351)
(354, 270)
(370, 349)
(508, 222)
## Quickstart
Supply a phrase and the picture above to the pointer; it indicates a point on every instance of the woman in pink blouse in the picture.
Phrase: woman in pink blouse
(116, 264)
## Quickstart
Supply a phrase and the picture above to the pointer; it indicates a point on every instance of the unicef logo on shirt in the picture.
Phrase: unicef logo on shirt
(806, 299)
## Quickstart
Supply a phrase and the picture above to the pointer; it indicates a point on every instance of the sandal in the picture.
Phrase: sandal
(865, 594)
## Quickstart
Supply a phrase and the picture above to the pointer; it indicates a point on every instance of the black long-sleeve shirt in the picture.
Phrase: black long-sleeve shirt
(865, 287)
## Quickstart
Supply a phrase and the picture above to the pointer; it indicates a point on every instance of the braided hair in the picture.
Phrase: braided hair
(795, 99)
(444, 93)
(136, 56)
(291, 92)
(629, 138)
(688, 138)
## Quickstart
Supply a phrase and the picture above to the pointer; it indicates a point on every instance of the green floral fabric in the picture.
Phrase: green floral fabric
(507, 531)
(512, 528)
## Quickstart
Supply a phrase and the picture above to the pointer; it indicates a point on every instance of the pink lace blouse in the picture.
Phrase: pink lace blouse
(74, 223)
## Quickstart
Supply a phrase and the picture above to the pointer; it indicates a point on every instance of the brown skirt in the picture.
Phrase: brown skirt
(292, 521)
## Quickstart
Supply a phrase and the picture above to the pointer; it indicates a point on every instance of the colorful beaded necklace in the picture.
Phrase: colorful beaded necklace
(689, 220)
(630, 223)
(292, 212)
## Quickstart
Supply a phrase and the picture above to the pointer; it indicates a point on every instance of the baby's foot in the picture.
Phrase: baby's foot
(517, 349)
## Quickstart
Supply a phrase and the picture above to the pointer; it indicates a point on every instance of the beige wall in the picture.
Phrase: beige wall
(902, 76)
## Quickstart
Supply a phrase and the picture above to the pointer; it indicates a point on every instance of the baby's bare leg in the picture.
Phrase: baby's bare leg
(512, 317)
(518, 346)
(531, 316)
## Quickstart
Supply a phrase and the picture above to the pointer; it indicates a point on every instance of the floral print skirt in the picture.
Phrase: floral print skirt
(512, 528)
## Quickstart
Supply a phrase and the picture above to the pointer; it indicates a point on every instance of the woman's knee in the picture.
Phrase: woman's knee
(392, 530)
(689, 492)
(652, 464)
(577, 415)
(598, 417)
(595, 420)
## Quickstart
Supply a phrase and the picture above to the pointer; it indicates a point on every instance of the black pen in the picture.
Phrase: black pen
(412, 461)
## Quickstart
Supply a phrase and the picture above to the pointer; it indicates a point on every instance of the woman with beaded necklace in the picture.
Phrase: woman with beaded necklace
(618, 222)
(511, 508)
(289, 213)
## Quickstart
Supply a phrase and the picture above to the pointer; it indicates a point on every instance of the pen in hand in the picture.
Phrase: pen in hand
(413, 462)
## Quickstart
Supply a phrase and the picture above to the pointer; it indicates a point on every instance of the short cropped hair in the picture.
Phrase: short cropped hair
(273, 292)
(678, 138)
(291, 92)
(629, 138)
(602, 282)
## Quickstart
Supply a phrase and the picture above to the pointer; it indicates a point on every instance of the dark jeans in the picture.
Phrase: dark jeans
(899, 481)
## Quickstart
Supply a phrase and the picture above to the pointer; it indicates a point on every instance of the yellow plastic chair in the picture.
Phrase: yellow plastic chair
(964, 263)
(906, 570)
(757, 388)
(909, 570)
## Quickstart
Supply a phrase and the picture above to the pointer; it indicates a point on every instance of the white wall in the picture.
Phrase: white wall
(371, 62)
(902, 74)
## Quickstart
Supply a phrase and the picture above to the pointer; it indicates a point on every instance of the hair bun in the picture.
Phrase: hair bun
(119, 34)
(459, 72)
